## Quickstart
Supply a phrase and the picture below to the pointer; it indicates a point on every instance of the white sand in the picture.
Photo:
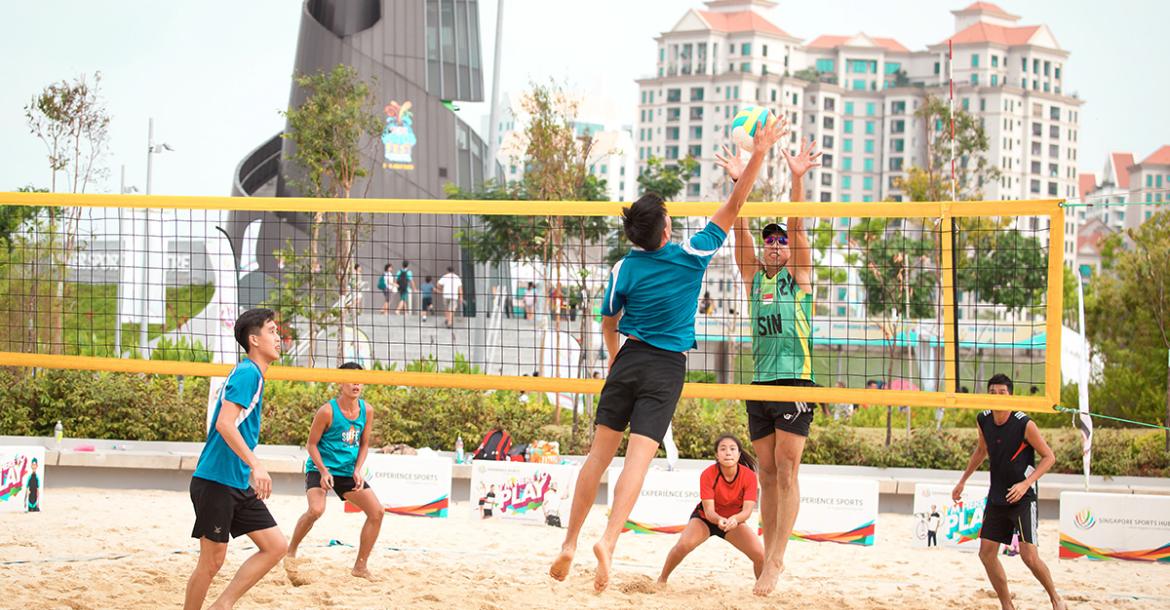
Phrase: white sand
(461, 562)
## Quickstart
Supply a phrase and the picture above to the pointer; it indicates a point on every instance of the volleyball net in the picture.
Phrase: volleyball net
(914, 304)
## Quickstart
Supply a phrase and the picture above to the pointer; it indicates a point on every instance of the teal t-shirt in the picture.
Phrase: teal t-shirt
(340, 442)
(217, 462)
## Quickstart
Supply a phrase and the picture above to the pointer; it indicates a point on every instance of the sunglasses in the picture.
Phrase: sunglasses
(773, 240)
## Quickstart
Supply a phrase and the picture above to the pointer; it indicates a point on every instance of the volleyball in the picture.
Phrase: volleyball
(745, 124)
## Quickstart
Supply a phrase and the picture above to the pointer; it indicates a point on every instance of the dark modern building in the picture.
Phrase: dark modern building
(420, 56)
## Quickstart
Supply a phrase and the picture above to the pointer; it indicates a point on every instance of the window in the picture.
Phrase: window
(1037, 129)
(869, 146)
(995, 61)
(1057, 72)
(1024, 64)
(672, 152)
(826, 65)
(974, 79)
(936, 70)
(672, 114)
(1052, 188)
(825, 197)
(827, 141)
(895, 164)
(1053, 151)
(867, 183)
(1054, 113)
(672, 133)
(849, 108)
(848, 126)
(745, 67)
(1035, 167)
(828, 122)
(899, 145)
(870, 108)
(692, 190)
(827, 161)
(1035, 186)
(994, 80)
(1047, 67)
(869, 127)
(1035, 66)
(897, 107)
(696, 133)
(1053, 131)
(1035, 148)
(696, 113)
(858, 84)
(1053, 170)
(674, 95)
(868, 164)
(845, 198)
(847, 144)
(695, 150)
(696, 94)
(847, 163)
(765, 50)
(830, 103)
(826, 179)
(746, 49)
(846, 182)
(974, 60)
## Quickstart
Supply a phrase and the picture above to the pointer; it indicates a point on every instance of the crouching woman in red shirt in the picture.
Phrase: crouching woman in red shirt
(728, 492)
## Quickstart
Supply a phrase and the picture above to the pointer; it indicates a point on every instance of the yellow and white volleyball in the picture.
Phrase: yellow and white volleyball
(745, 124)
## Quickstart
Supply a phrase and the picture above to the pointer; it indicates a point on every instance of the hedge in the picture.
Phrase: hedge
(162, 408)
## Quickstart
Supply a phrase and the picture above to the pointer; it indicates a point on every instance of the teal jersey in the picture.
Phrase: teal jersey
(340, 442)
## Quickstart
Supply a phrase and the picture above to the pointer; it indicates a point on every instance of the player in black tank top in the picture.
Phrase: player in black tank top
(1011, 440)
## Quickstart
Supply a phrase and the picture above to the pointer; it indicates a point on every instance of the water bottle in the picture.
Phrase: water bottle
(58, 433)
(459, 449)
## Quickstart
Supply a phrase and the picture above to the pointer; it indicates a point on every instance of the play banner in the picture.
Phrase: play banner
(1114, 526)
(939, 521)
(22, 478)
(409, 484)
(666, 502)
(522, 491)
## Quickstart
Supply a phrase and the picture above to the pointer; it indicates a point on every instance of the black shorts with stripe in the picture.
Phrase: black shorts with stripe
(1000, 521)
(765, 417)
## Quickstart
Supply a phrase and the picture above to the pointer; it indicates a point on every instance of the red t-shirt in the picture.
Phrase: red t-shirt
(728, 496)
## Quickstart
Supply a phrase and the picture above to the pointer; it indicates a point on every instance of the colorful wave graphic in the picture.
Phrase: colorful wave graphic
(647, 528)
(862, 535)
(1071, 548)
(435, 508)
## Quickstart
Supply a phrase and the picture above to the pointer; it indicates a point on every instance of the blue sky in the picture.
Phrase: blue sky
(215, 74)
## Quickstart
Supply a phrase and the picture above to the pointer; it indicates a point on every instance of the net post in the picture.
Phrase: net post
(1055, 303)
(950, 332)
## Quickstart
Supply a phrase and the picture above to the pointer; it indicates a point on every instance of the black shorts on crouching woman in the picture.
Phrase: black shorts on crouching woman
(642, 390)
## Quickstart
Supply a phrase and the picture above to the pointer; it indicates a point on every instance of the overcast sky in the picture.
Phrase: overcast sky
(215, 74)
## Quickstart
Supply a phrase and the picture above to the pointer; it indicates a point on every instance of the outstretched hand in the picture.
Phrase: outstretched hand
(731, 162)
(807, 159)
(770, 134)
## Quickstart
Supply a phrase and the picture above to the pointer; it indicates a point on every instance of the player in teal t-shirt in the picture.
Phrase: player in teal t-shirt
(338, 442)
(229, 486)
(651, 298)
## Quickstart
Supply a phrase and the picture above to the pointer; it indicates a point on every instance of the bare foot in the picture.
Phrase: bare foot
(604, 555)
(292, 569)
(766, 583)
(1059, 604)
(561, 565)
(362, 572)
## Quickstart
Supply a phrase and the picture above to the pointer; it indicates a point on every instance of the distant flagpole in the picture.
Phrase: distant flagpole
(1084, 422)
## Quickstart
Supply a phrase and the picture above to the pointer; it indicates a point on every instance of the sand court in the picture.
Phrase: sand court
(131, 549)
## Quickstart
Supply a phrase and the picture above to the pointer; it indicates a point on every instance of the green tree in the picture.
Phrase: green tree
(1010, 270)
(667, 180)
(1129, 323)
(71, 119)
(330, 130)
(15, 218)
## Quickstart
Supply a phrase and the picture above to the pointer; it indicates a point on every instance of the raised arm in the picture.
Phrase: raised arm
(761, 143)
(800, 263)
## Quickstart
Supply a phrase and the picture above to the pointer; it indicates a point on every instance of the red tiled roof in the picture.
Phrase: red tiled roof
(832, 42)
(741, 21)
(1121, 165)
(1086, 183)
(986, 32)
(1159, 157)
(988, 8)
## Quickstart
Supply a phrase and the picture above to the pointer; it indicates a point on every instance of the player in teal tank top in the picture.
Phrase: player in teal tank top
(779, 288)
(338, 442)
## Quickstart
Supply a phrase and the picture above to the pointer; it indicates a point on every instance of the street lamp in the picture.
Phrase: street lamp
(152, 149)
(125, 190)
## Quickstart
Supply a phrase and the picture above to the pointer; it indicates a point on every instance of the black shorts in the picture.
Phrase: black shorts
(711, 527)
(1000, 521)
(767, 416)
(220, 510)
(341, 485)
(642, 390)
(427, 302)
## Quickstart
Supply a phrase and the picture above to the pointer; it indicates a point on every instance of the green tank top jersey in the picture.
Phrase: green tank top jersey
(781, 317)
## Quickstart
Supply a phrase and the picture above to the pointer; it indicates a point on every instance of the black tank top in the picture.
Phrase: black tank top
(1012, 458)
